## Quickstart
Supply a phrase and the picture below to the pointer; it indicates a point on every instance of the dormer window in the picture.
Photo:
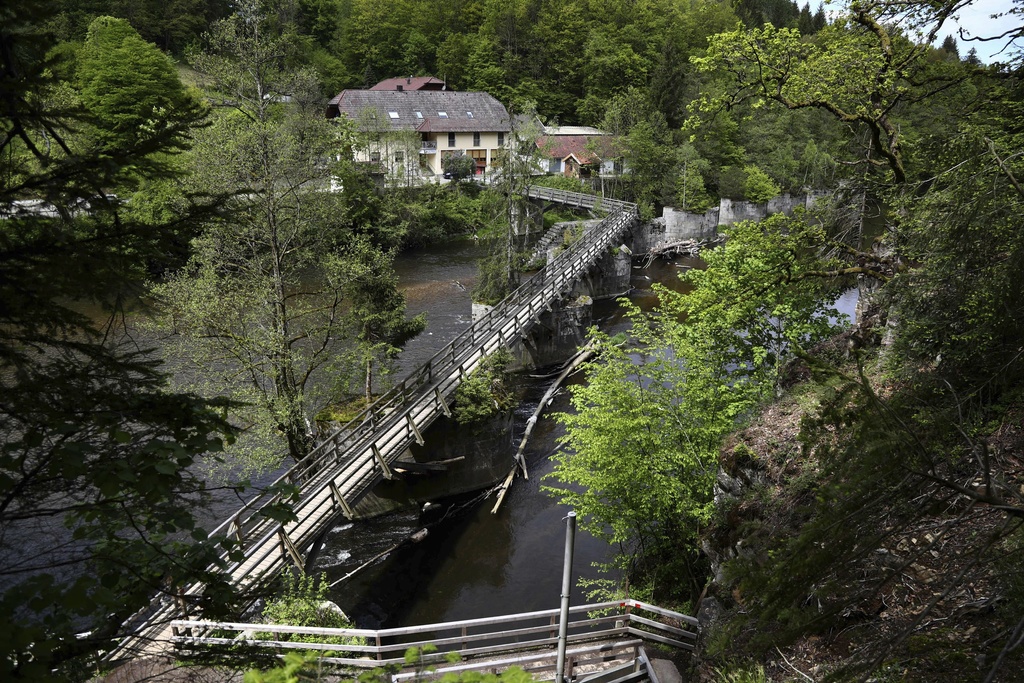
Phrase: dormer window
(393, 114)
(442, 114)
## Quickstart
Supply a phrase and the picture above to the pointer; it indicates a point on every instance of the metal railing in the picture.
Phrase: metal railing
(478, 641)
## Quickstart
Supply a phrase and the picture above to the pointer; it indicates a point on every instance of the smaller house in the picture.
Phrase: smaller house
(579, 151)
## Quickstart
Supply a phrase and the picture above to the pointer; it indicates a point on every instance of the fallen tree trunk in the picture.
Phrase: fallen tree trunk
(581, 357)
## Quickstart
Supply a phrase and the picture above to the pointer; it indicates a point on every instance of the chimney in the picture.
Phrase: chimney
(399, 88)
(408, 81)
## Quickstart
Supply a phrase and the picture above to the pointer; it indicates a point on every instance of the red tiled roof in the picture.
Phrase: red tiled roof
(411, 83)
(586, 149)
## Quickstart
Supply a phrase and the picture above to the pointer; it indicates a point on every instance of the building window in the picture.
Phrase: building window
(451, 139)
(442, 114)
(469, 114)
(399, 157)
(501, 139)
(375, 157)
(479, 160)
(419, 114)
(476, 139)
(393, 114)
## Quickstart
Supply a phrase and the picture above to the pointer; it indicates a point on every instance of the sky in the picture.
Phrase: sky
(976, 20)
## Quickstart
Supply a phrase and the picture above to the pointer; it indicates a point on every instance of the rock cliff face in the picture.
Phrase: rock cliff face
(750, 468)
(914, 595)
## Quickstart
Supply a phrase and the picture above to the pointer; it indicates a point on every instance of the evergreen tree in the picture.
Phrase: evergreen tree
(805, 22)
(129, 87)
(99, 497)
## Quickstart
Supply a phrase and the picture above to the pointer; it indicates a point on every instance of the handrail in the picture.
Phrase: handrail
(470, 637)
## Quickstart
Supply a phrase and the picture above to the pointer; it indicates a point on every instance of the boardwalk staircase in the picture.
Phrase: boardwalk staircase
(605, 644)
(556, 234)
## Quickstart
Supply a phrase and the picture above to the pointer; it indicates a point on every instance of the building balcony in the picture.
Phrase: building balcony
(428, 147)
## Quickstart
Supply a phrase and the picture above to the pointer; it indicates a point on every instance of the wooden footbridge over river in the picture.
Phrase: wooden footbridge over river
(348, 463)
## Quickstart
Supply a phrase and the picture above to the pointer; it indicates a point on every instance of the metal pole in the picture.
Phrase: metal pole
(563, 621)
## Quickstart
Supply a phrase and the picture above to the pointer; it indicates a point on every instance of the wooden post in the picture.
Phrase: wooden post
(340, 499)
(236, 528)
(442, 403)
(290, 549)
(414, 428)
(380, 460)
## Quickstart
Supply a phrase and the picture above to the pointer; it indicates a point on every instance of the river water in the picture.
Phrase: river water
(472, 563)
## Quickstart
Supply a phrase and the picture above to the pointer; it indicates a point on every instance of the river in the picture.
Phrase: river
(472, 563)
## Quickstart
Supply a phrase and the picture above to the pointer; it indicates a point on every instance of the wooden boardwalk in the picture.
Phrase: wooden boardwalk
(346, 465)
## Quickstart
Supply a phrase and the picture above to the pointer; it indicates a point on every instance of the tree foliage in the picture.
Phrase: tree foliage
(128, 86)
(376, 309)
(280, 248)
(643, 440)
(303, 602)
(898, 428)
(99, 499)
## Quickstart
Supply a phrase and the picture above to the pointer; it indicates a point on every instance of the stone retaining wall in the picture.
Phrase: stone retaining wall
(683, 225)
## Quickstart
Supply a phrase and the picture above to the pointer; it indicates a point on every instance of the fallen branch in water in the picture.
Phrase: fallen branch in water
(581, 357)
(691, 247)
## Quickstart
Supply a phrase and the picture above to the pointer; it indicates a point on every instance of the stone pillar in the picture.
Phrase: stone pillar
(610, 276)
(560, 333)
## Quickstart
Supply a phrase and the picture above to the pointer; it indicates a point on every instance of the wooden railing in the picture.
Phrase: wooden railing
(512, 638)
(579, 199)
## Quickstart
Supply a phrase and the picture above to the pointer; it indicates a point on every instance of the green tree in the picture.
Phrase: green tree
(458, 166)
(129, 87)
(376, 309)
(776, 64)
(758, 187)
(890, 452)
(509, 206)
(99, 497)
(691, 192)
(260, 305)
(647, 148)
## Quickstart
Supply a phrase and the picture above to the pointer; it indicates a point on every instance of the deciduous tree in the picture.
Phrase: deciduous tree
(261, 307)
